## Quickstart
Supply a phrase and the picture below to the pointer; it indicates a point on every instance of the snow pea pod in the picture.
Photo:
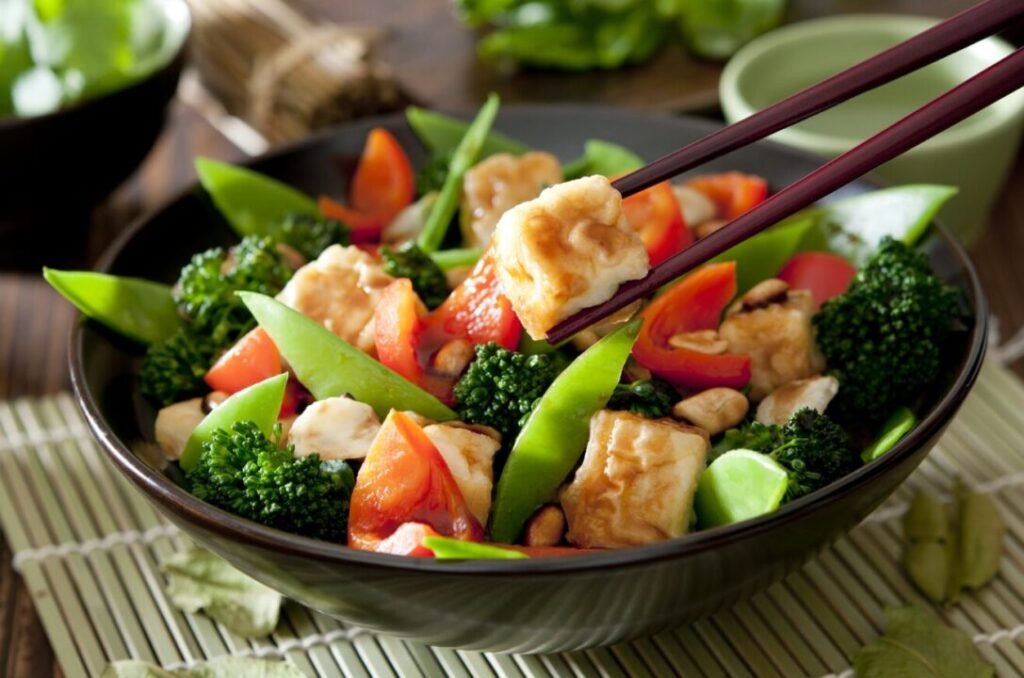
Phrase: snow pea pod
(260, 404)
(893, 430)
(252, 203)
(138, 309)
(853, 227)
(457, 258)
(739, 485)
(441, 134)
(329, 366)
(929, 551)
(604, 158)
(555, 434)
(764, 255)
(464, 157)
(446, 548)
(981, 539)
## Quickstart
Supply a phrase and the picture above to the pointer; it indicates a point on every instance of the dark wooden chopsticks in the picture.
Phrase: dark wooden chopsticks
(940, 40)
(961, 102)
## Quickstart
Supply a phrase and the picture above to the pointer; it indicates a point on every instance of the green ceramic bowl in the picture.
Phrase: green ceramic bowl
(975, 155)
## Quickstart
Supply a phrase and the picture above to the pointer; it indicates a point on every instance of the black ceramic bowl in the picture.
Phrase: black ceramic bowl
(537, 605)
(69, 160)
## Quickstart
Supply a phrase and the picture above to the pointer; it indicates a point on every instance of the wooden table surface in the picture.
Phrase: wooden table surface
(34, 322)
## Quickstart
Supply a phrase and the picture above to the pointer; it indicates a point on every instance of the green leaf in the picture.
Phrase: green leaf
(139, 309)
(604, 158)
(199, 580)
(329, 366)
(254, 204)
(446, 548)
(916, 644)
(441, 134)
(853, 227)
(259, 403)
(221, 667)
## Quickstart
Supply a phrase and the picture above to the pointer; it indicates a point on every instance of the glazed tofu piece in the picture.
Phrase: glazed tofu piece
(778, 337)
(175, 423)
(636, 483)
(782, 403)
(469, 453)
(565, 250)
(334, 428)
(498, 184)
(340, 290)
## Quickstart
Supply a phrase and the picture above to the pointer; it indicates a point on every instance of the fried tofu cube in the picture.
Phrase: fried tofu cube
(174, 425)
(636, 483)
(469, 453)
(568, 249)
(335, 428)
(498, 184)
(779, 339)
(340, 290)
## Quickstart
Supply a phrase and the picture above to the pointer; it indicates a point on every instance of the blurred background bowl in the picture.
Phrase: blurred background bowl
(975, 155)
(58, 165)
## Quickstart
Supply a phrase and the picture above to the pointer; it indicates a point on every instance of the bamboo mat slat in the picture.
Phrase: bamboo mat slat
(88, 544)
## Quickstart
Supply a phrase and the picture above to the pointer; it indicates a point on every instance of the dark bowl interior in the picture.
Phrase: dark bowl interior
(538, 605)
(55, 166)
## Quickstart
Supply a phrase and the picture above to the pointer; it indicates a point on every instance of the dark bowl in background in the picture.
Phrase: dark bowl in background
(56, 166)
(539, 605)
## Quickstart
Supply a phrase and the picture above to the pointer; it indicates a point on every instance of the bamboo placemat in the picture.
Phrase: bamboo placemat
(87, 545)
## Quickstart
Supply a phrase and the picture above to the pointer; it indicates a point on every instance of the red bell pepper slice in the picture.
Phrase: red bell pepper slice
(826, 275)
(477, 310)
(404, 479)
(363, 228)
(654, 213)
(407, 540)
(694, 303)
(732, 192)
(251, 360)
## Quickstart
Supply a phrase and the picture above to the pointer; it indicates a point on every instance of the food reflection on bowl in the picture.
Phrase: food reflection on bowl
(535, 605)
(76, 138)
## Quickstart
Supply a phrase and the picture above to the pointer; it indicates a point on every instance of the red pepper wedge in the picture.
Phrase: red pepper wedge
(477, 310)
(398, 324)
(732, 192)
(251, 360)
(363, 228)
(404, 479)
(654, 213)
(694, 303)
(826, 275)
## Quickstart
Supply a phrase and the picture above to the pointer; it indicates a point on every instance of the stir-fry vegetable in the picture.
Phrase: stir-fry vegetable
(893, 430)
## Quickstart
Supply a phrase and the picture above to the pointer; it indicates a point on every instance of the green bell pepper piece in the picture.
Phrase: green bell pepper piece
(139, 309)
(555, 434)
(764, 255)
(441, 134)
(464, 157)
(252, 203)
(259, 403)
(457, 258)
(893, 430)
(446, 548)
(853, 227)
(329, 366)
(604, 158)
(739, 485)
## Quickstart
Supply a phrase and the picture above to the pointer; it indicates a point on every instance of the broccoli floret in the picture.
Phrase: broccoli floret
(882, 338)
(174, 368)
(245, 472)
(501, 387)
(310, 234)
(215, 317)
(426, 276)
(813, 448)
(652, 398)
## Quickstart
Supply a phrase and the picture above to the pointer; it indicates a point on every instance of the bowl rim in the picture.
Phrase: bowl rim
(737, 104)
(178, 15)
(186, 507)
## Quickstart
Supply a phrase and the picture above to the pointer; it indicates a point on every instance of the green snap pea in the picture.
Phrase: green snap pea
(555, 434)
(981, 539)
(259, 403)
(329, 366)
(253, 203)
(138, 309)
(441, 134)
(463, 158)
(762, 256)
(893, 430)
(737, 486)
(446, 548)
(457, 258)
(928, 554)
